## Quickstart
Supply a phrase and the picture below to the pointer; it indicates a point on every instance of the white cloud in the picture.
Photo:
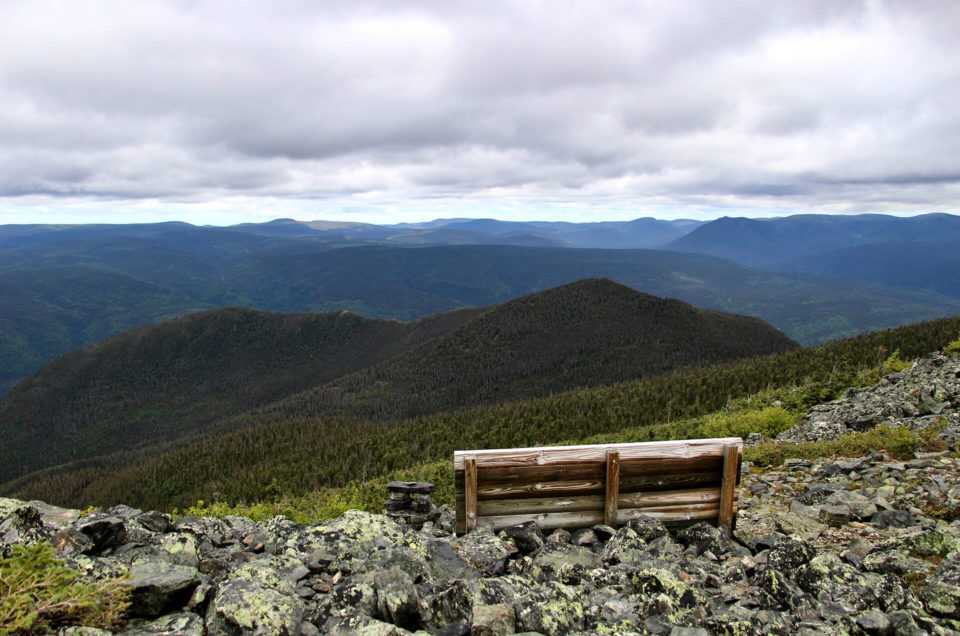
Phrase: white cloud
(609, 109)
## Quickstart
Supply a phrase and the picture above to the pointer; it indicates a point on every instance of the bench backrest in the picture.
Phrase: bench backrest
(677, 482)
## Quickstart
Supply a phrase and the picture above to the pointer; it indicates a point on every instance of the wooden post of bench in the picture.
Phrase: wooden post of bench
(470, 491)
(728, 486)
(613, 488)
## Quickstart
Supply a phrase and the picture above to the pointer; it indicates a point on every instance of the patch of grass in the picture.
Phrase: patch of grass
(39, 593)
(898, 441)
(321, 505)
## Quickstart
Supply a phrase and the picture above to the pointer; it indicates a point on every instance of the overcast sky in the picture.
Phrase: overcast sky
(225, 111)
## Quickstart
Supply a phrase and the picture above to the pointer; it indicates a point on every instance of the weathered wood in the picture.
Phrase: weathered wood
(585, 470)
(533, 483)
(548, 455)
(679, 482)
(470, 493)
(612, 488)
(596, 502)
(551, 520)
(537, 489)
(728, 486)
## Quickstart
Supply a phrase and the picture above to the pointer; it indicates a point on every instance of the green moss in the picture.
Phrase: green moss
(38, 592)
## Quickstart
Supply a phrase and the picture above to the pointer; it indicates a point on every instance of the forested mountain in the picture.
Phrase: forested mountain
(763, 242)
(153, 385)
(933, 265)
(292, 458)
(47, 311)
(588, 333)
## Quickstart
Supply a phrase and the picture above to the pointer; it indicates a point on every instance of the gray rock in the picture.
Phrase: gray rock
(397, 600)
(158, 587)
(244, 606)
(443, 563)
(893, 519)
(556, 560)
(553, 608)
(835, 516)
(178, 624)
(483, 550)
(527, 536)
(451, 604)
(873, 621)
(493, 620)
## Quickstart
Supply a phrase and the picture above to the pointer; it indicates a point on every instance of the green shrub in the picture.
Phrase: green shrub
(38, 592)
(952, 347)
(768, 421)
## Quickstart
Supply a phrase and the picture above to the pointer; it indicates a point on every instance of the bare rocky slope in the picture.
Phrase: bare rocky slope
(855, 545)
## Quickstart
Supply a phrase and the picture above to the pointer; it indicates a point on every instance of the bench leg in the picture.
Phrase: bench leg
(728, 486)
(613, 489)
(470, 492)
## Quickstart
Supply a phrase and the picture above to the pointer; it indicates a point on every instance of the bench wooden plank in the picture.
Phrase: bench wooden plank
(596, 470)
(548, 455)
(498, 507)
(598, 486)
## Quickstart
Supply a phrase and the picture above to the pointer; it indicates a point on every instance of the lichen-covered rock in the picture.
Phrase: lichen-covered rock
(178, 548)
(244, 606)
(552, 608)
(104, 530)
(483, 550)
(280, 572)
(353, 538)
(22, 524)
(527, 536)
(443, 563)
(557, 559)
(179, 624)
(658, 590)
(446, 604)
(351, 598)
(158, 587)
(826, 577)
(789, 554)
(397, 599)
(625, 546)
(706, 538)
(494, 620)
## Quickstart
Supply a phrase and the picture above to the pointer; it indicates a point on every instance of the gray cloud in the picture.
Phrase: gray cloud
(511, 106)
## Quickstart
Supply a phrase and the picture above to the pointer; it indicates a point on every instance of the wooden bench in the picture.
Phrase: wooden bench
(677, 482)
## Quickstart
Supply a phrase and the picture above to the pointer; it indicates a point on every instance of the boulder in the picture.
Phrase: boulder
(158, 587)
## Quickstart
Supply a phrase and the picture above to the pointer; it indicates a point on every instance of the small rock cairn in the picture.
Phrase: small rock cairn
(409, 503)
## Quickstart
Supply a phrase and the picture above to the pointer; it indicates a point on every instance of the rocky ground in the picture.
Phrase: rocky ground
(864, 545)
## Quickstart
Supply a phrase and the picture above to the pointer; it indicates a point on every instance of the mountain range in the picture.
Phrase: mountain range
(63, 287)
